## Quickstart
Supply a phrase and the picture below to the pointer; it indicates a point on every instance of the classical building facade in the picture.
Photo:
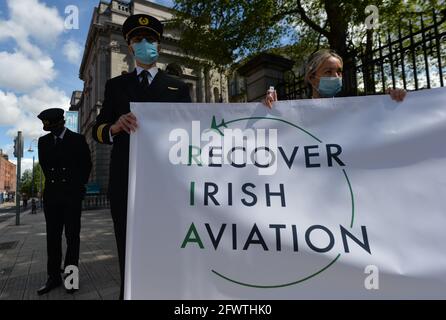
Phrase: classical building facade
(7, 176)
(106, 56)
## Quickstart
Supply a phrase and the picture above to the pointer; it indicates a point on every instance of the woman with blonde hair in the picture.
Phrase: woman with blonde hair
(323, 76)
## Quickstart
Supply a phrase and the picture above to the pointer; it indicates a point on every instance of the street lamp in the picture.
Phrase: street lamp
(40, 176)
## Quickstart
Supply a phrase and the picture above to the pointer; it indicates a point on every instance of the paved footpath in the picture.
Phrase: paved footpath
(23, 259)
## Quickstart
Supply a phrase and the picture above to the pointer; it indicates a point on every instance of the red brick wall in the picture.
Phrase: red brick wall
(7, 175)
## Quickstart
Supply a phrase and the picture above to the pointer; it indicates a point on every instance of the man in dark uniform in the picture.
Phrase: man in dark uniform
(65, 160)
(115, 122)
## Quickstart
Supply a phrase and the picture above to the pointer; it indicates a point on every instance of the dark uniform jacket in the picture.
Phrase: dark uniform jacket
(119, 92)
(66, 166)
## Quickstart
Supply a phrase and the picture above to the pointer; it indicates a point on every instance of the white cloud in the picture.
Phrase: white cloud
(73, 51)
(30, 126)
(28, 67)
(28, 70)
(21, 112)
(21, 73)
(30, 19)
(37, 19)
(43, 98)
(25, 164)
(9, 108)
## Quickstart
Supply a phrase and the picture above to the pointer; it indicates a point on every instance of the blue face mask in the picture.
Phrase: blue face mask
(329, 86)
(145, 52)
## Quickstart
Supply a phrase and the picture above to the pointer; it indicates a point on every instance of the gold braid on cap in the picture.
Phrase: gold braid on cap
(140, 27)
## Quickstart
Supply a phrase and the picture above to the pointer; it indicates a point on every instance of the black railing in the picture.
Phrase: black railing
(292, 88)
(413, 59)
(95, 201)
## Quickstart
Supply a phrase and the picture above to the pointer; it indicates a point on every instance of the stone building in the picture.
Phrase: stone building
(249, 80)
(106, 56)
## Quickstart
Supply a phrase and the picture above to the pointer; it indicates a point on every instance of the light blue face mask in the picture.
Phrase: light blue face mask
(145, 52)
(329, 86)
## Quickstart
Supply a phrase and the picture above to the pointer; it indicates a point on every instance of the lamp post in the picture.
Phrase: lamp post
(18, 153)
(32, 185)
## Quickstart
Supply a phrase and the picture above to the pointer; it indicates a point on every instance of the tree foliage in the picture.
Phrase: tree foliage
(225, 31)
(27, 181)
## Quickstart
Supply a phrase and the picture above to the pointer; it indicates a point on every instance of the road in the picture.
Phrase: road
(8, 211)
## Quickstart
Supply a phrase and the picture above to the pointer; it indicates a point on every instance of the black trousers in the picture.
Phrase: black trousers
(60, 215)
(118, 208)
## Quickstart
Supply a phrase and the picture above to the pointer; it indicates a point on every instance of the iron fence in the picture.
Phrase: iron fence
(413, 58)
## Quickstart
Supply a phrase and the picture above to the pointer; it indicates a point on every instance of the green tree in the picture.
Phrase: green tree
(27, 181)
(224, 31)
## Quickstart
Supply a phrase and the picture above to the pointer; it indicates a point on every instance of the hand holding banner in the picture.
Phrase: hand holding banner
(300, 202)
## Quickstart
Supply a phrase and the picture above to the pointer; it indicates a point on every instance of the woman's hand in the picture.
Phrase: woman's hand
(397, 94)
(271, 96)
(126, 122)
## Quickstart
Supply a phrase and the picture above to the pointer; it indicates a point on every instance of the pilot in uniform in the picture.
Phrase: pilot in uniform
(64, 157)
(115, 121)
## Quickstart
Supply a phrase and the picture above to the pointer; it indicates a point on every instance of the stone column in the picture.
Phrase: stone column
(202, 85)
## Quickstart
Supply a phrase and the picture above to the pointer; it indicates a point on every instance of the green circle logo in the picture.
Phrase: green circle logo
(224, 124)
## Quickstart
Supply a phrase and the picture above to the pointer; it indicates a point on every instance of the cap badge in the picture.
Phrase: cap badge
(143, 21)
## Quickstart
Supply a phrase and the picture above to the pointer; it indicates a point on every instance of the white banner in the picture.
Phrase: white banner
(335, 198)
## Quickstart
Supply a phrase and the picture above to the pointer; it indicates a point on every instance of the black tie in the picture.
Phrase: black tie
(58, 141)
(145, 79)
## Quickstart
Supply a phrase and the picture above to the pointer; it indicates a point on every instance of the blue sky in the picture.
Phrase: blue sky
(39, 64)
